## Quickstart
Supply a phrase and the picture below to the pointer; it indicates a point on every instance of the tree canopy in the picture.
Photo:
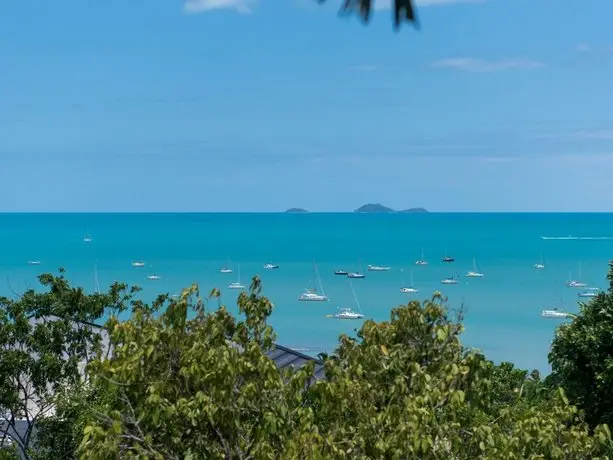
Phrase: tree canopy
(183, 378)
(403, 10)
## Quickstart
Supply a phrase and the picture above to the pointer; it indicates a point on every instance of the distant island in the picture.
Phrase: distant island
(296, 210)
(372, 208)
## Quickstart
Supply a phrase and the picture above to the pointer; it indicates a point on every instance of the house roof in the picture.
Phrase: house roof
(284, 357)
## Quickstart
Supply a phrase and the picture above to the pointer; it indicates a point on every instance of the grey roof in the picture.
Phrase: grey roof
(286, 357)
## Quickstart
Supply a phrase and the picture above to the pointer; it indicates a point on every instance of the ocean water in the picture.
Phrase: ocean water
(502, 309)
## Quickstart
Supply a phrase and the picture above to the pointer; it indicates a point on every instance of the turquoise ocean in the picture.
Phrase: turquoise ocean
(502, 310)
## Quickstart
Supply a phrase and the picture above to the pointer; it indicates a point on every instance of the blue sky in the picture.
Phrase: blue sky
(164, 105)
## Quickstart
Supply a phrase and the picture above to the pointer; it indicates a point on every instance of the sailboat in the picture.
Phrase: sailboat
(475, 273)
(378, 268)
(310, 294)
(450, 280)
(422, 260)
(153, 277)
(410, 289)
(541, 264)
(87, 238)
(590, 292)
(226, 268)
(348, 313)
(575, 283)
(237, 284)
(138, 263)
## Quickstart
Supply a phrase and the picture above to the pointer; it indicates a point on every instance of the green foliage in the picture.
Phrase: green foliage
(581, 357)
(204, 388)
(44, 339)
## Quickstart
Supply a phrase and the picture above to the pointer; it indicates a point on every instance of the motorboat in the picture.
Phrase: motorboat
(138, 263)
(555, 314)
(448, 259)
(341, 272)
(271, 266)
(589, 292)
(409, 290)
(153, 277)
(225, 270)
(33, 262)
(450, 280)
(236, 285)
(356, 275)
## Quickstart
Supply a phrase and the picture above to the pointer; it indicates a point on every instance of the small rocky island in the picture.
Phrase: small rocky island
(372, 208)
(296, 211)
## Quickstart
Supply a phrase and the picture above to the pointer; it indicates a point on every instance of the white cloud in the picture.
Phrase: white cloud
(583, 48)
(387, 4)
(483, 65)
(200, 6)
(364, 68)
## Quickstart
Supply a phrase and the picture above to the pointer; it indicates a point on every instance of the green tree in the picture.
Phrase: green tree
(45, 339)
(404, 388)
(581, 357)
(403, 10)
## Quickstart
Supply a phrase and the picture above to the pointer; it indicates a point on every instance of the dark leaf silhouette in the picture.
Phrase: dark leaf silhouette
(403, 10)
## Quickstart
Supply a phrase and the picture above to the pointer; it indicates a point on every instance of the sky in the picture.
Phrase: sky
(262, 105)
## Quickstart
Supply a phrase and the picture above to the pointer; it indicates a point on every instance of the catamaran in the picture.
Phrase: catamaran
(378, 268)
(237, 284)
(541, 264)
(422, 260)
(409, 289)
(475, 273)
(311, 294)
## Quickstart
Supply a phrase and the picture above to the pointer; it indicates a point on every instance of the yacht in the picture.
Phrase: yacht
(409, 289)
(589, 292)
(271, 266)
(347, 313)
(422, 260)
(33, 262)
(541, 264)
(378, 268)
(574, 283)
(311, 294)
(450, 280)
(237, 284)
(153, 277)
(138, 263)
(87, 238)
(555, 314)
(341, 272)
(447, 259)
(475, 273)
(356, 275)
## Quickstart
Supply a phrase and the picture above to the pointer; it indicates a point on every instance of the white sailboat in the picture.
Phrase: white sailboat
(311, 294)
(226, 268)
(409, 289)
(356, 274)
(541, 264)
(422, 260)
(138, 263)
(153, 277)
(575, 283)
(237, 284)
(475, 273)
(87, 238)
(348, 313)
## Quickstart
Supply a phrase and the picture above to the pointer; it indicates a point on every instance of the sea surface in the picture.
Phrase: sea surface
(502, 310)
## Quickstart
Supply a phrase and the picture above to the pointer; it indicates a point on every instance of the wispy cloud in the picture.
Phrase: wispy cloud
(583, 48)
(387, 4)
(201, 6)
(483, 65)
(364, 68)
